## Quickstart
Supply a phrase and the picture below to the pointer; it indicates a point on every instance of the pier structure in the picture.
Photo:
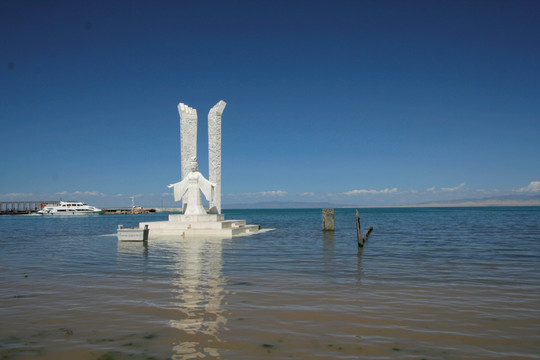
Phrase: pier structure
(23, 207)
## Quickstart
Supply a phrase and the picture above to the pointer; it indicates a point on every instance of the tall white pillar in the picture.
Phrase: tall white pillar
(214, 153)
(188, 139)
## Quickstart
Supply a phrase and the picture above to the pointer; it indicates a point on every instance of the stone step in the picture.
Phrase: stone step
(225, 228)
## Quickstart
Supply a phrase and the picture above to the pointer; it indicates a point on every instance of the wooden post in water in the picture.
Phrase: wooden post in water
(358, 231)
(328, 220)
(361, 238)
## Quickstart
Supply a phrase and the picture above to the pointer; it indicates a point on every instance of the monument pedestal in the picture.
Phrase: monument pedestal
(211, 225)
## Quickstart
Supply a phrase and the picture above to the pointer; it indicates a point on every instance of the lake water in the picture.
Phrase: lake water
(435, 283)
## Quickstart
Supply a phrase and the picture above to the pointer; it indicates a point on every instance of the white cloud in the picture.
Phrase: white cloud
(456, 188)
(433, 189)
(269, 193)
(88, 193)
(272, 193)
(307, 194)
(17, 195)
(534, 186)
(489, 191)
(371, 191)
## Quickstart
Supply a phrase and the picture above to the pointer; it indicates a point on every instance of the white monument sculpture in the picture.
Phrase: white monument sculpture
(196, 220)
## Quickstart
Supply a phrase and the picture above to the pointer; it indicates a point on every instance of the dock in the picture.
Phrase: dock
(141, 210)
(32, 207)
(23, 207)
(128, 211)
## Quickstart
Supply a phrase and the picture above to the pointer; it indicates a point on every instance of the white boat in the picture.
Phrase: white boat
(69, 208)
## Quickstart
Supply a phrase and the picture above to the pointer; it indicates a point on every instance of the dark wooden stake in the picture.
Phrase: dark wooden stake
(358, 231)
(361, 238)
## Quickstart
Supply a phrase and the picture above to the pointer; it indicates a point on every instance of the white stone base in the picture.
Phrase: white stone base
(211, 225)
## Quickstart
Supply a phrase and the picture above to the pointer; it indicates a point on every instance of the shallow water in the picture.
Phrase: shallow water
(429, 284)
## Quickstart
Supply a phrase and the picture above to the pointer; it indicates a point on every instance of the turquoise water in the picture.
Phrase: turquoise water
(431, 283)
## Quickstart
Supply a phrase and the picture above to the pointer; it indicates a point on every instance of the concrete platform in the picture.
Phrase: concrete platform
(210, 225)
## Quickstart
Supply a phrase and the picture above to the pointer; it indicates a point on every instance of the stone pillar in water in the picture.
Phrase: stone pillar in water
(188, 139)
(214, 153)
(328, 219)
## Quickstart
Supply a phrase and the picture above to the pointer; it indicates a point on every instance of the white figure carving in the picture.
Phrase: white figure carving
(190, 189)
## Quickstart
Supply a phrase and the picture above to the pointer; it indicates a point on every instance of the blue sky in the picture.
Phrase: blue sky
(350, 102)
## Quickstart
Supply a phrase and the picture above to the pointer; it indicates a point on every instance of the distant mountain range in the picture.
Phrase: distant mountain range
(284, 205)
(503, 200)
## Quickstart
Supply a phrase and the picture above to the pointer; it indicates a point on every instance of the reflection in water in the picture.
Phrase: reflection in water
(328, 251)
(199, 285)
(133, 248)
(198, 291)
(359, 268)
(328, 241)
